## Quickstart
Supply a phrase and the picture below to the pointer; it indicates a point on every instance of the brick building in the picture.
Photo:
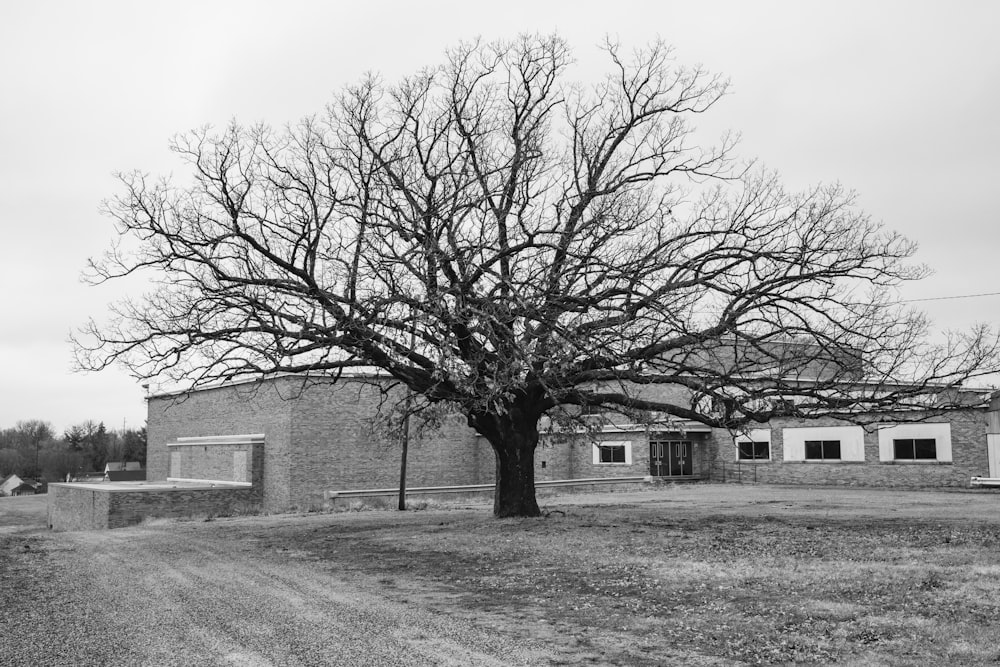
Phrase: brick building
(314, 439)
(323, 437)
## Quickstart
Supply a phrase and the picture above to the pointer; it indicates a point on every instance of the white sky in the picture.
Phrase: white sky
(898, 100)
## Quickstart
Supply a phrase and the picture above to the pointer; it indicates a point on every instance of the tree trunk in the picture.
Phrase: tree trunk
(515, 487)
(513, 436)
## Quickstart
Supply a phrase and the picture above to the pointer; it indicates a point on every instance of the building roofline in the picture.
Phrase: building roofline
(271, 377)
(376, 373)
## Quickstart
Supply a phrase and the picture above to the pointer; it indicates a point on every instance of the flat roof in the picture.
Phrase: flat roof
(151, 486)
(328, 377)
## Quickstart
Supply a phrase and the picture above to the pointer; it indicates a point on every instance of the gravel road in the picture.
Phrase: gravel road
(455, 587)
(181, 595)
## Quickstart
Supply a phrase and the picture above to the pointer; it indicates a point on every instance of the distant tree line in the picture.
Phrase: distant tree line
(32, 449)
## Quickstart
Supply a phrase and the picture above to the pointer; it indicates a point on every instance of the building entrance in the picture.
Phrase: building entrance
(670, 458)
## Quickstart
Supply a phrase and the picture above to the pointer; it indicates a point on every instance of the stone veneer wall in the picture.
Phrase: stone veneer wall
(74, 507)
(969, 458)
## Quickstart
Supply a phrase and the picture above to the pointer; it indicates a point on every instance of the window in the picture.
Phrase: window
(753, 445)
(753, 450)
(613, 452)
(911, 449)
(922, 442)
(822, 450)
(836, 444)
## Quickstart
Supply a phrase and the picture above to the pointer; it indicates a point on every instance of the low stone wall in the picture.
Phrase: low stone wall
(103, 506)
(75, 507)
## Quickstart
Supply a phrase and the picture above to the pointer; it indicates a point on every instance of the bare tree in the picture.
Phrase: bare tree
(498, 239)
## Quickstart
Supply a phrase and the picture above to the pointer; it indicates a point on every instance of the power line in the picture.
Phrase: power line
(947, 298)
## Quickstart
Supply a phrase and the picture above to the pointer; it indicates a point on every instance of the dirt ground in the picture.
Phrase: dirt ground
(687, 575)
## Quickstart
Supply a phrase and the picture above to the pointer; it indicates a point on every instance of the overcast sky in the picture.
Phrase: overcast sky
(897, 100)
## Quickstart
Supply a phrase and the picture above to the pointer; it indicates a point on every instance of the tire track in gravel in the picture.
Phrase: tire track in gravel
(168, 596)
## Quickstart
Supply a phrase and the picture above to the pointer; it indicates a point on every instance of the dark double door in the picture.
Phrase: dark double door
(670, 458)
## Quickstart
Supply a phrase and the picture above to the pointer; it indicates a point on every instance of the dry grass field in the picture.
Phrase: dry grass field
(686, 575)
(22, 513)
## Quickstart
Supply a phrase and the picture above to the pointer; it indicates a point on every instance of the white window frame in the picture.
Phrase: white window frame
(612, 443)
(993, 453)
(852, 442)
(940, 432)
(753, 435)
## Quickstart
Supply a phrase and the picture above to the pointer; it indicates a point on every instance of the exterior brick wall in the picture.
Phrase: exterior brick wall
(559, 458)
(577, 457)
(486, 461)
(715, 457)
(336, 445)
(212, 462)
(571, 457)
(969, 458)
(236, 410)
(318, 437)
(321, 437)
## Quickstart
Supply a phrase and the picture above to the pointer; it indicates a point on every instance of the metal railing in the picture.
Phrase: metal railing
(733, 472)
(477, 488)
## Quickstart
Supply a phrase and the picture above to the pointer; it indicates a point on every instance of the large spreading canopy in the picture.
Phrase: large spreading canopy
(514, 244)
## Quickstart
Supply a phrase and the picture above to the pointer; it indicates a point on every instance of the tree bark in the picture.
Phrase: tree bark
(513, 436)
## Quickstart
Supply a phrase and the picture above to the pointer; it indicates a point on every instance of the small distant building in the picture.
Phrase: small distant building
(10, 483)
(29, 487)
(13, 485)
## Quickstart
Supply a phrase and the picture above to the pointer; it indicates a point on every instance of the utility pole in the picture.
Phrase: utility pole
(402, 460)
(406, 424)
